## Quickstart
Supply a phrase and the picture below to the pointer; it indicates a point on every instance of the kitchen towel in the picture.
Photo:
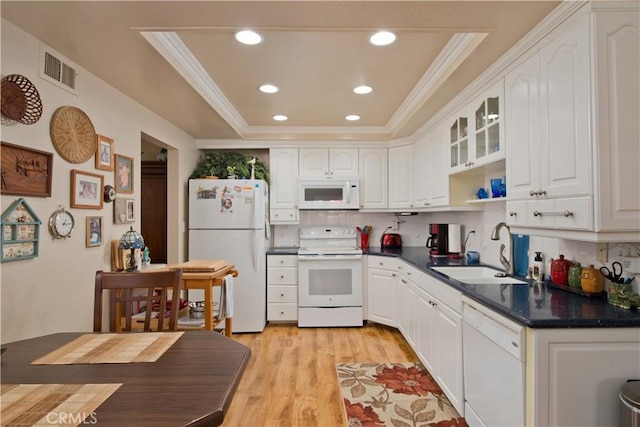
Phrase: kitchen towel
(455, 239)
(226, 298)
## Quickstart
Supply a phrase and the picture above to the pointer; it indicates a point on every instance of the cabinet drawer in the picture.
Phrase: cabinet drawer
(579, 213)
(282, 294)
(382, 262)
(282, 312)
(278, 216)
(282, 276)
(282, 261)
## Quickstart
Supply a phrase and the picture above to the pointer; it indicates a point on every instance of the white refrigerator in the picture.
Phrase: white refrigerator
(228, 221)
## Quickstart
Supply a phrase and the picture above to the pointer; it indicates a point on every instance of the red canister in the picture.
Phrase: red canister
(560, 271)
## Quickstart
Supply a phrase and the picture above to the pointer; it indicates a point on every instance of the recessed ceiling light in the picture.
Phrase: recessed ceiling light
(352, 117)
(280, 117)
(248, 37)
(382, 38)
(362, 90)
(268, 88)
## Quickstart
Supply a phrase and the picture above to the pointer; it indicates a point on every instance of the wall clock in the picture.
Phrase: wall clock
(109, 193)
(61, 223)
(73, 134)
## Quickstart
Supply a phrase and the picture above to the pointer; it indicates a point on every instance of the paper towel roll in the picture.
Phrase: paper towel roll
(455, 239)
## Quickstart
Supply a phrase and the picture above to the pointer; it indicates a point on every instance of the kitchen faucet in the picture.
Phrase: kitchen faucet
(495, 235)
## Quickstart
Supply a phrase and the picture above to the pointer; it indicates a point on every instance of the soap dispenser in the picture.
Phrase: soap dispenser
(538, 268)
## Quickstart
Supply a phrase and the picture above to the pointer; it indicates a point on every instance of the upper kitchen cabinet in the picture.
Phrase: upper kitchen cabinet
(373, 165)
(572, 109)
(283, 201)
(430, 168)
(327, 163)
(401, 177)
(476, 134)
(617, 109)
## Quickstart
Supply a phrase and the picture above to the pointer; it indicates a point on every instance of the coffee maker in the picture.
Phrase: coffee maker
(437, 241)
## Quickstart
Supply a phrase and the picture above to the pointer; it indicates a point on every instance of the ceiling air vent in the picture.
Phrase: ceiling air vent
(57, 69)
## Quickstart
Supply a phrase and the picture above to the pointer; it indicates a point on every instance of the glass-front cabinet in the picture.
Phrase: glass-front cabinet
(477, 131)
(459, 142)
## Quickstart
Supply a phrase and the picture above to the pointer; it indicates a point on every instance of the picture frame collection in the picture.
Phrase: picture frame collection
(29, 172)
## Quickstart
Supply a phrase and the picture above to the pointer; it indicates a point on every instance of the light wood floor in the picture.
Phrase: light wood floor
(291, 380)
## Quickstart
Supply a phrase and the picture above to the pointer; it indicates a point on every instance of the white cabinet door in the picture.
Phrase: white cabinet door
(487, 126)
(401, 177)
(565, 156)
(448, 336)
(373, 178)
(422, 169)
(438, 178)
(322, 162)
(343, 161)
(381, 307)
(314, 162)
(283, 193)
(522, 105)
(617, 47)
(427, 314)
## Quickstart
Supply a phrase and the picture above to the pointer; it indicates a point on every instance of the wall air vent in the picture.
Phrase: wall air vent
(57, 70)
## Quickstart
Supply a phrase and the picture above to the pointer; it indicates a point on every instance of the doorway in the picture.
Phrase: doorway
(153, 200)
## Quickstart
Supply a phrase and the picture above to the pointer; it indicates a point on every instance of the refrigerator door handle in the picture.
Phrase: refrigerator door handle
(267, 230)
(254, 249)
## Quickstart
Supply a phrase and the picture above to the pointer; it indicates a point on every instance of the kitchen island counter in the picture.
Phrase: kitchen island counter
(534, 306)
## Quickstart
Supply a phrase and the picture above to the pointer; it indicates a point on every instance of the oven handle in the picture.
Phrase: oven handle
(328, 257)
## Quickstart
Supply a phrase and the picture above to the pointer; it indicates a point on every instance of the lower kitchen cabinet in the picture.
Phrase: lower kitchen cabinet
(432, 328)
(282, 288)
(381, 290)
(574, 376)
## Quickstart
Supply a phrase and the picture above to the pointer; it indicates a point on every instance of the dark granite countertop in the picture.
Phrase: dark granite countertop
(534, 306)
(283, 250)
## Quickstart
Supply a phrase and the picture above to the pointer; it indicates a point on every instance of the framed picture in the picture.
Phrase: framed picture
(86, 190)
(123, 211)
(25, 171)
(123, 174)
(104, 153)
(94, 231)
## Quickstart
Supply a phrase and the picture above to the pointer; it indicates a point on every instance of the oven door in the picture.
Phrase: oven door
(330, 281)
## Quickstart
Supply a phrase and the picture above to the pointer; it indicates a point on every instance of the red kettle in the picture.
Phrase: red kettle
(390, 240)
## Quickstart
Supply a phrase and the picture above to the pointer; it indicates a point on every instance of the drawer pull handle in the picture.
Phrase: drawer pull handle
(513, 213)
(565, 214)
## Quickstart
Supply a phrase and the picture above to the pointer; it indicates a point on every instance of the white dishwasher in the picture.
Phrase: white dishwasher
(494, 367)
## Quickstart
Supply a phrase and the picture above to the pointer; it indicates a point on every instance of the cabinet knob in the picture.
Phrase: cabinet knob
(393, 274)
(276, 215)
(281, 261)
(281, 295)
(282, 312)
(537, 213)
(568, 214)
(533, 193)
(408, 273)
(542, 192)
(282, 276)
(380, 263)
(512, 213)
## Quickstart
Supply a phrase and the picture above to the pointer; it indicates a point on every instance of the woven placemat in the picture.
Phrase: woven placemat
(73, 134)
(111, 348)
(20, 99)
(52, 404)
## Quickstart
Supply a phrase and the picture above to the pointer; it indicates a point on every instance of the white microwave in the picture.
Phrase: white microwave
(336, 193)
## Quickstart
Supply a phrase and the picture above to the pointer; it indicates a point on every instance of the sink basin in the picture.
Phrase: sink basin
(477, 275)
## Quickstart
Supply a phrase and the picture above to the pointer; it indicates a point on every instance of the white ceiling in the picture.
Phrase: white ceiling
(180, 59)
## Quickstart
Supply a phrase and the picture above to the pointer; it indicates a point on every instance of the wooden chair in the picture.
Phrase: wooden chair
(126, 289)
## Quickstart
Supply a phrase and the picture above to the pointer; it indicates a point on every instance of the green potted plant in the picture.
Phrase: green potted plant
(224, 164)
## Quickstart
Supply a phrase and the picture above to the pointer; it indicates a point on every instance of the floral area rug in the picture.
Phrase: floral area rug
(393, 394)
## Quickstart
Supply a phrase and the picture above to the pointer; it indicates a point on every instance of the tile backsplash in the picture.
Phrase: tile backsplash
(415, 231)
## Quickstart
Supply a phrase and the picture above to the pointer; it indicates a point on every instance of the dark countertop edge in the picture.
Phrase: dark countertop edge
(566, 323)
(289, 250)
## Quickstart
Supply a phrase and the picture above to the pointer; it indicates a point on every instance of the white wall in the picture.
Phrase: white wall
(54, 291)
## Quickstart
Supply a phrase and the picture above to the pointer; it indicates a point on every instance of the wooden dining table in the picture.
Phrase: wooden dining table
(191, 384)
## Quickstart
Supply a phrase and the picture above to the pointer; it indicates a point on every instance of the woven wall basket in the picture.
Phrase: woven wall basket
(20, 99)
(73, 134)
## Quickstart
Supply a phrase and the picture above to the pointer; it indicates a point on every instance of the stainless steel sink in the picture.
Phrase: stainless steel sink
(479, 275)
